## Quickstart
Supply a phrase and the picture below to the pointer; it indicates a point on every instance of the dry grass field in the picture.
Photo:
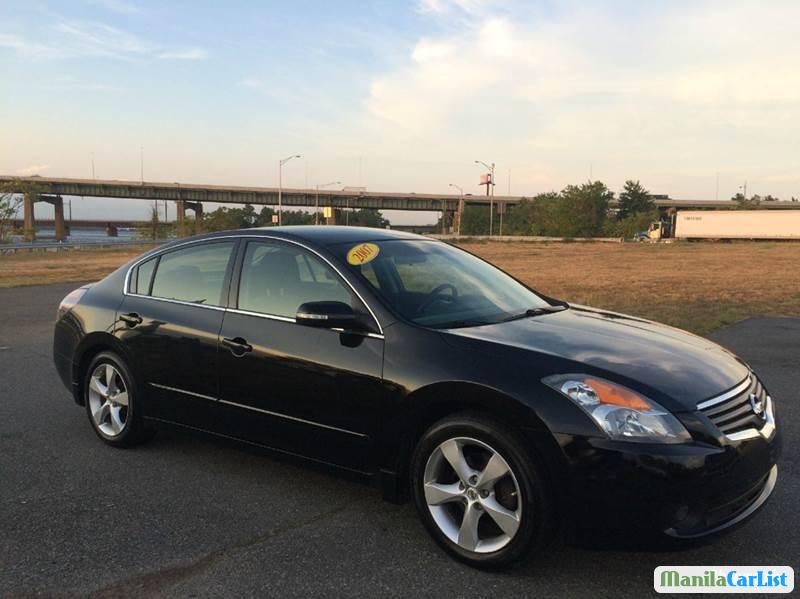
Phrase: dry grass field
(79, 266)
(697, 286)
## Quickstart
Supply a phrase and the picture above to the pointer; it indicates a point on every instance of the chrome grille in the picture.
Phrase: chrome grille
(732, 412)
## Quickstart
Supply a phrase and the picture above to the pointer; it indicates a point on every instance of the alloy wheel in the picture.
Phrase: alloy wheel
(108, 400)
(472, 495)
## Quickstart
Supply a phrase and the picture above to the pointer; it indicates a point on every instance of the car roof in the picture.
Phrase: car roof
(324, 235)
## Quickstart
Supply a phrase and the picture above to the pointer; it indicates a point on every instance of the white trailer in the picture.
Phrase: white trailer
(737, 224)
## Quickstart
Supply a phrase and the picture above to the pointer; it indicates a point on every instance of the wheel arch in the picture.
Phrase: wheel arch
(429, 404)
(89, 347)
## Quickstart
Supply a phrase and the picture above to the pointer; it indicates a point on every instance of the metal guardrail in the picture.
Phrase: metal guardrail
(12, 248)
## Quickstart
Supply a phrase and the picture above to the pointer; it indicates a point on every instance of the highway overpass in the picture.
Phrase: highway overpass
(194, 195)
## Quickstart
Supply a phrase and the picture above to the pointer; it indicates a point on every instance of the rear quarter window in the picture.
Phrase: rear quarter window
(195, 274)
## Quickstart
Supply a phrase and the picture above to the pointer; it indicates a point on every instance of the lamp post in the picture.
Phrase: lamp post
(320, 186)
(491, 196)
(280, 183)
(460, 211)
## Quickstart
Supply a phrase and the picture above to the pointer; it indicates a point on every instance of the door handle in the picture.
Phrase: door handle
(131, 319)
(237, 345)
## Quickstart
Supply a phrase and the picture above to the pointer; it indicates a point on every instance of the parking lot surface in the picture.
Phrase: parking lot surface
(192, 516)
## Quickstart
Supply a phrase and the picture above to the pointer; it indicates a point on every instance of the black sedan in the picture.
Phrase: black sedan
(503, 413)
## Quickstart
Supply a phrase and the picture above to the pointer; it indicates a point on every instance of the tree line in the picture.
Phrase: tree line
(575, 211)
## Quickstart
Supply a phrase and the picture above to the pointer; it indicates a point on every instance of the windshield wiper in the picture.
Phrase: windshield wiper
(462, 324)
(535, 312)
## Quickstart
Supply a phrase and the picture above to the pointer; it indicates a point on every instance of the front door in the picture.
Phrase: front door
(309, 391)
(170, 322)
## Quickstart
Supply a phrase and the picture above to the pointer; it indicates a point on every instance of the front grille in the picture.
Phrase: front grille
(733, 412)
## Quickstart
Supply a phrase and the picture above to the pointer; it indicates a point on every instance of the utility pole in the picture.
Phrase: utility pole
(280, 184)
(744, 189)
(93, 176)
(141, 164)
(491, 195)
(716, 192)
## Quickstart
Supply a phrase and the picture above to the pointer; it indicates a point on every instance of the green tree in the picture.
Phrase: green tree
(11, 197)
(582, 210)
(633, 200)
(745, 203)
(368, 217)
(10, 203)
(630, 225)
(475, 220)
(532, 216)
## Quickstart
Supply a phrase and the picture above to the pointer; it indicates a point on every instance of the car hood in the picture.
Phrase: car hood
(684, 367)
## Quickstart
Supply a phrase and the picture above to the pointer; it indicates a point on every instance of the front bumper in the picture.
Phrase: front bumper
(683, 490)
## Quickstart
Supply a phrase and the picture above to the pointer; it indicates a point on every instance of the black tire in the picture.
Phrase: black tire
(537, 519)
(134, 431)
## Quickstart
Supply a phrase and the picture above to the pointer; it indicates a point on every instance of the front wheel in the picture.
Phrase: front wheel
(479, 492)
(112, 402)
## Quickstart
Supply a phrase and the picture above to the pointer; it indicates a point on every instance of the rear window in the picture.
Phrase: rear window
(195, 274)
(140, 283)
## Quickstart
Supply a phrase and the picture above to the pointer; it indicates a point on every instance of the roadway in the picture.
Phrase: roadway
(345, 198)
(189, 516)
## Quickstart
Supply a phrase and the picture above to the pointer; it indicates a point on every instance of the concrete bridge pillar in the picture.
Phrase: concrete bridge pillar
(198, 217)
(29, 226)
(58, 217)
(180, 218)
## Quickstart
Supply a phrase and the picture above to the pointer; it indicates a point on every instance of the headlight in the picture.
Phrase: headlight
(623, 414)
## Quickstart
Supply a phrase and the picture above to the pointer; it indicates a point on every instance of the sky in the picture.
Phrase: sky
(693, 98)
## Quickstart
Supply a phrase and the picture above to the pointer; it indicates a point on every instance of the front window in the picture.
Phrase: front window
(277, 278)
(436, 285)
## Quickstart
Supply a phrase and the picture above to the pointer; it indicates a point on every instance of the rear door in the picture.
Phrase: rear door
(170, 321)
(310, 391)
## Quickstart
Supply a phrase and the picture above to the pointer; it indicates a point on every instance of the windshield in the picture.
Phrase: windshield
(436, 285)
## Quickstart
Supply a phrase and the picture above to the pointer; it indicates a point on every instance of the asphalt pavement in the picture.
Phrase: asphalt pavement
(192, 516)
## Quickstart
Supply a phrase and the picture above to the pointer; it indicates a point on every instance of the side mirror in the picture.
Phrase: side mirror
(327, 315)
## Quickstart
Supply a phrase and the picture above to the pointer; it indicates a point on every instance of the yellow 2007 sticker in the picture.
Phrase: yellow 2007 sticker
(362, 253)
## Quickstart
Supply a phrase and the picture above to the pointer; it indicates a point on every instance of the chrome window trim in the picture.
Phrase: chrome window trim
(254, 409)
(740, 388)
(294, 321)
(262, 315)
(174, 301)
(125, 287)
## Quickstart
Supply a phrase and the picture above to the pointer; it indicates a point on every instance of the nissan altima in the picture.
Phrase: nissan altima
(504, 414)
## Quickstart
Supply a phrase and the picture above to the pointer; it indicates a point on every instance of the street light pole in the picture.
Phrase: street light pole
(280, 183)
(319, 186)
(491, 197)
(460, 211)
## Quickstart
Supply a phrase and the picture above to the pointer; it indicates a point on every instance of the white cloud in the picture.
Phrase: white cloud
(98, 39)
(118, 6)
(187, 54)
(679, 88)
(252, 83)
(33, 169)
(72, 38)
(23, 45)
(445, 6)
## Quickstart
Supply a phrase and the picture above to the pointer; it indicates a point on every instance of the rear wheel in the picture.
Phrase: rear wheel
(478, 491)
(111, 398)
